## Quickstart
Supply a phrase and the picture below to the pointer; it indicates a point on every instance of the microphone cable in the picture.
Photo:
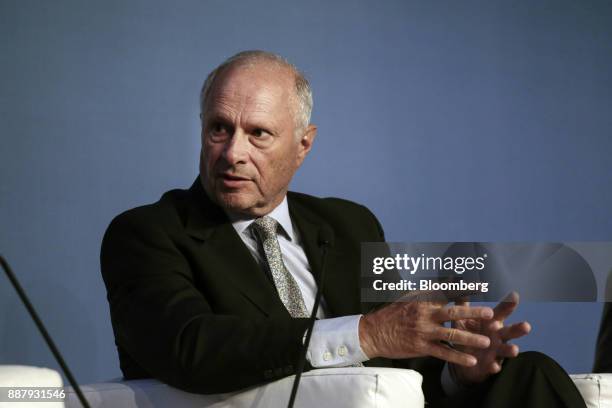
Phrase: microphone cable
(325, 242)
(43, 330)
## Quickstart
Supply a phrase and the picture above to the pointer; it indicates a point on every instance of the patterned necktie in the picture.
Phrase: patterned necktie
(287, 287)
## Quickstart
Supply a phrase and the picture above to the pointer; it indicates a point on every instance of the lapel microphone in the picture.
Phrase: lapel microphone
(326, 236)
(43, 330)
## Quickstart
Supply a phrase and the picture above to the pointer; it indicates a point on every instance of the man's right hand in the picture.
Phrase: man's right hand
(407, 329)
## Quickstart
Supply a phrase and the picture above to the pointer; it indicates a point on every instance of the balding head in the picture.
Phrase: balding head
(301, 97)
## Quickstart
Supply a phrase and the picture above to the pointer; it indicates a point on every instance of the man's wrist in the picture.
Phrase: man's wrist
(365, 336)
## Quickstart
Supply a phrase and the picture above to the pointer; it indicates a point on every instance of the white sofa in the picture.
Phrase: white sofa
(16, 376)
(338, 387)
(596, 389)
(349, 387)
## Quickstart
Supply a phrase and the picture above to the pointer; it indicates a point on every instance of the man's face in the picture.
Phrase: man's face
(250, 149)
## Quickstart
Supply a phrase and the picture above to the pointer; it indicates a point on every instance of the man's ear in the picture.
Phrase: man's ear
(305, 142)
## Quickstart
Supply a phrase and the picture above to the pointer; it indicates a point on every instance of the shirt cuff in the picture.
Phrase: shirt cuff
(335, 343)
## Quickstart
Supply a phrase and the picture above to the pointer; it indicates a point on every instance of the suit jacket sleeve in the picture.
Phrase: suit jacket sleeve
(167, 327)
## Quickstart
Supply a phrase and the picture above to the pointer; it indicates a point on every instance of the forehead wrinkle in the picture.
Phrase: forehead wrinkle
(230, 111)
(223, 109)
(232, 104)
(263, 97)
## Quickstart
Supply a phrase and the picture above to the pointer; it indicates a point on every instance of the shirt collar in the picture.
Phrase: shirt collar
(280, 214)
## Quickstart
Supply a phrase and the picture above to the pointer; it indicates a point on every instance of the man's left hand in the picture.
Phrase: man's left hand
(490, 359)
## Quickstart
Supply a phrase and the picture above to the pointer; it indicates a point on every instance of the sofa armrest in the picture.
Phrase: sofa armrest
(347, 387)
(25, 376)
(596, 389)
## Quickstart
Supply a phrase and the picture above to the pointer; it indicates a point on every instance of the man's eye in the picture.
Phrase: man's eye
(259, 132)
(219, 131)
(219, 128)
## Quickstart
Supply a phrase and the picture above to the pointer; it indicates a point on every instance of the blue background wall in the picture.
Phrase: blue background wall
(479, 120)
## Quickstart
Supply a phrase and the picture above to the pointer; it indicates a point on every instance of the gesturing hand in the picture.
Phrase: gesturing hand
(490, 358)
(415, 328)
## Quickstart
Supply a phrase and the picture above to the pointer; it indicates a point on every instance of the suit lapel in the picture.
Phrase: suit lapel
(224, 252)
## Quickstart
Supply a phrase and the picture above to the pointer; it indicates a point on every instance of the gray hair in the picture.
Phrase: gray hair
(250, 58)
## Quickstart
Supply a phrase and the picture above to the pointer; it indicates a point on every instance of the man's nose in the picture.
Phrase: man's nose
(237, 148)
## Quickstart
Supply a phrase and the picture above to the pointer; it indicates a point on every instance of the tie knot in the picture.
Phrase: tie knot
(266, 226)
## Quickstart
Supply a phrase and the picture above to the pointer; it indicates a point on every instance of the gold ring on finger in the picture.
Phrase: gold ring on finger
(451, 335)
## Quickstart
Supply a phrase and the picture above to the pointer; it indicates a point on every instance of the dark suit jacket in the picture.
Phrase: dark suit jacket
(603, 350)
(190, 305)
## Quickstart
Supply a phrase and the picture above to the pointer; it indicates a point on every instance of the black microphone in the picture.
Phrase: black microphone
(43, 330)
(326, 236)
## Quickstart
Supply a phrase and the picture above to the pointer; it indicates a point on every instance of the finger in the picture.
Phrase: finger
(471, 325)
(506, 306)
(463, 312)
(452, 356)
(493, 325)
(432, 296)
(479, 325)
(495, 367)
(462, 337)
(514, 331)
(507, 350)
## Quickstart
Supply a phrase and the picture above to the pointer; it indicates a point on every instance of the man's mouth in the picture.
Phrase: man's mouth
(232, 180)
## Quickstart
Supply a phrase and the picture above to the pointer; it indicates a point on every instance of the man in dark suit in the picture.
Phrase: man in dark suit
(209, 288)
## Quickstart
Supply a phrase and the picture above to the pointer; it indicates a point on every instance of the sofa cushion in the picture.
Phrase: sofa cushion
(596, 389)
(27, 376)
(347, 387)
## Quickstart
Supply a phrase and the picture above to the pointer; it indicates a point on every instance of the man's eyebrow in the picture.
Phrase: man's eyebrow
(270, 124)
(217, 116)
